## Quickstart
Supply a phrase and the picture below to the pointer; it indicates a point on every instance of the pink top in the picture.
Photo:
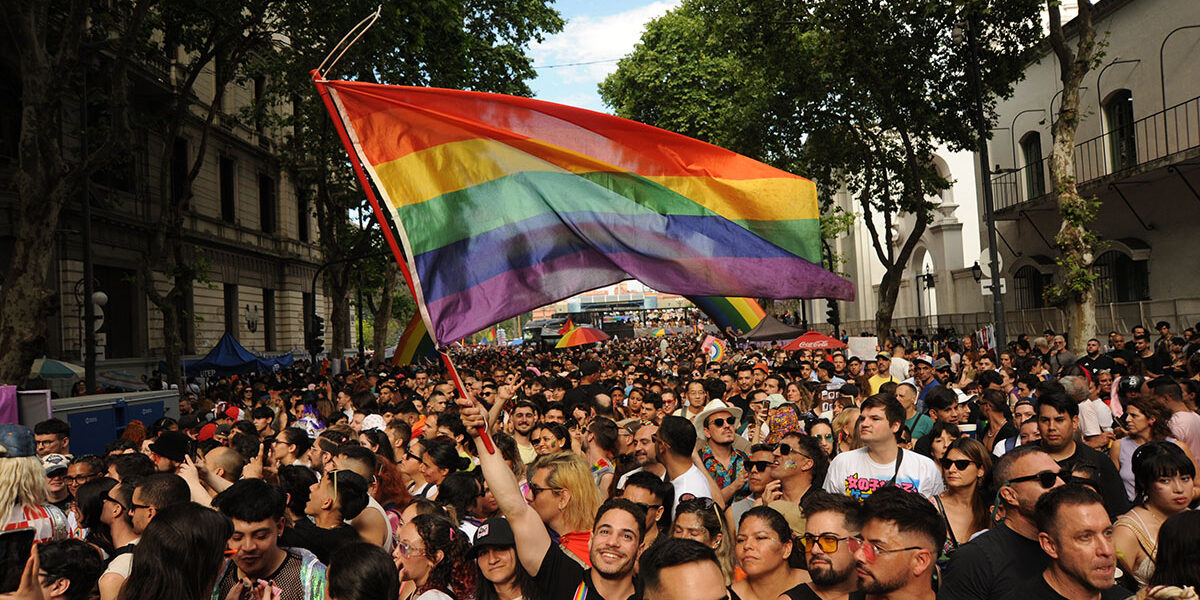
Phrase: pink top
(1185, 426)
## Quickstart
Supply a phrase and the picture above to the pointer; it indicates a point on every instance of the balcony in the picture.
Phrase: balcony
(1151, 142)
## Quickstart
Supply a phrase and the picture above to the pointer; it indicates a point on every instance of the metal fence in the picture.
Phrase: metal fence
(1123, 148)
(1119, 316)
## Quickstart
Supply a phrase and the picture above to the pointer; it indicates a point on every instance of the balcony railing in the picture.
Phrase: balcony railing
(1151, 138)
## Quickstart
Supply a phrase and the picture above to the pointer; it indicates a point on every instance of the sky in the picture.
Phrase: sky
(596, 32)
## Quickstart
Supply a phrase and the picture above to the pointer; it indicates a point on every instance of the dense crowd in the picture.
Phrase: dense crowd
(638, 468)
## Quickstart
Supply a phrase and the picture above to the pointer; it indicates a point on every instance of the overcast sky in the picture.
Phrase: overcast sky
(596, 32)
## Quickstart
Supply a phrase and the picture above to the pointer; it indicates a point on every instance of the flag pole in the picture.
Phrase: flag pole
(385, 225)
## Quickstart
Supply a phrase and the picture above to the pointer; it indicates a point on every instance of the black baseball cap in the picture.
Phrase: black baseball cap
(493, 532)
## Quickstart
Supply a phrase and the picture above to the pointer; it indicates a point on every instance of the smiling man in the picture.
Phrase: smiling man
(256, 509)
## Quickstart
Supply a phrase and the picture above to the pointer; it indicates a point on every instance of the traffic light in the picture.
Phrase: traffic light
(833, 314)
(316, 342)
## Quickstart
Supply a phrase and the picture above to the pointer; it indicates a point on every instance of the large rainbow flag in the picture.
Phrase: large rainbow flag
(504, 204)
(742, 314)
(414, 344)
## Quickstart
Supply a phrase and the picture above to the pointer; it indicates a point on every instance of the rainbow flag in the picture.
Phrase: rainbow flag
(660, 333)
(715, 347)
(566, 327)
(742, 314)
(414, 345)
(504, 204)
(490, 335)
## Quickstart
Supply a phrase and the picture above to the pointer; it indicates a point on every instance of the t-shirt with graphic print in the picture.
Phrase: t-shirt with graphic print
(854, 474)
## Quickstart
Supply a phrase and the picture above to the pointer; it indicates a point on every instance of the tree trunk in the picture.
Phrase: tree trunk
(1074, 240)
(339, 312)
(383, 312)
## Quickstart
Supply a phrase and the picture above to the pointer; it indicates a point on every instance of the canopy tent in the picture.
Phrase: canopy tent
(770, 330)
(229, 357)
(814, 340)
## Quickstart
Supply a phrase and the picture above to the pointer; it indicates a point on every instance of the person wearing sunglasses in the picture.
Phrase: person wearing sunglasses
(653, 495)
(1023, 475)
(831, 522)
(716, 426)
(799, 465)
(758, 478)
(963, 506)
(895, 554)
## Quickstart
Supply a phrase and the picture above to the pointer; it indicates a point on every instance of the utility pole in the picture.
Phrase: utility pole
(89, 288)
(989, 209)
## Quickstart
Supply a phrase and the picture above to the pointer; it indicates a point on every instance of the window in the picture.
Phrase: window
(1030, 287)
(1119, 278)
(302, 216)
(1035, 173)
(231, 309)
(266, 203)
(260, 91)
(1122, 147)
(228, 190)
(268, 320)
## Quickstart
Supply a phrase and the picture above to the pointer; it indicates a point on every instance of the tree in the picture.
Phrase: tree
(217, 36)
(46, 47)
(849, 93)
(478, 45)
(1074, 288)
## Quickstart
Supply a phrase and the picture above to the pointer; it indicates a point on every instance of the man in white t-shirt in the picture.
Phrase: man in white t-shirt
(676, 442)
(858, 473)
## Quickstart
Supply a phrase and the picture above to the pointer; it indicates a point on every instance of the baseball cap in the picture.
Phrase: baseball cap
(54, 463)
(493, 532)
(16, 441)
(207, 432)
(923, 358)
(884, 355)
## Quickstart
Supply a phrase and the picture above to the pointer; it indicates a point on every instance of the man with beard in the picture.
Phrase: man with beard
(717, 426)
(644, 454)
(896, 553)
(613, 548)
(800, 466)
(524, 417)
(831, 521)
(998, 560)
(1075, 532)
(256, 509)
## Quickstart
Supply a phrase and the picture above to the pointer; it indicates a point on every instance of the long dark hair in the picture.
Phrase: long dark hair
(1178, 546)
(977, 452)
(486, 590)
(362, 571)
(180, 554)
(89, 501)
(452, 574)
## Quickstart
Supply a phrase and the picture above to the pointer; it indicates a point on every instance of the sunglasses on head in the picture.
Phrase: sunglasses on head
(722, 421)
(1046, 479)
(960, 464)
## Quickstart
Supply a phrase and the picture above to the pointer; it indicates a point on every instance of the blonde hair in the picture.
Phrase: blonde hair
(570, 471)
(23, 483)
(848, 416)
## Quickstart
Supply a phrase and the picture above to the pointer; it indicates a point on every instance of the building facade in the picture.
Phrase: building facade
(1137, 152)
(250, 227)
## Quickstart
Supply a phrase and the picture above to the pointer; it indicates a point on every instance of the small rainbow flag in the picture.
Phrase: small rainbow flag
(566, 326)
(503, 204)
(415, 344)
(742, 314)
(660, 333)
(715, 347)
(490, 335)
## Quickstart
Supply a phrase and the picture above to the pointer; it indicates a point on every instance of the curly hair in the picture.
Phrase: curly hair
(454, 573)
(1153, 408)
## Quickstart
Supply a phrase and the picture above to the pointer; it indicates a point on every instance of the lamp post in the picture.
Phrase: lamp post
(985, 171)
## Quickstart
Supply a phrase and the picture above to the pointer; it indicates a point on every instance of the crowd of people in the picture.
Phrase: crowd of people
(639, 468)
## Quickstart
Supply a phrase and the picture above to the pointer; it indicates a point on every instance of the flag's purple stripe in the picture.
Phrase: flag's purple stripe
(547, 236)
(463, 313)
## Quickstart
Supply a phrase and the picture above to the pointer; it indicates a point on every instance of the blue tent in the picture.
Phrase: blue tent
(229, 357)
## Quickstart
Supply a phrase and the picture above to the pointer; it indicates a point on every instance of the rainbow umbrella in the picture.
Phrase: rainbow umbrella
(580, 336)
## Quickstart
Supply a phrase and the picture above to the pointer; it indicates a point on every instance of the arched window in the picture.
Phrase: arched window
(1035, 173)
(1119, 278)
(1118, 115)
(1030, 287)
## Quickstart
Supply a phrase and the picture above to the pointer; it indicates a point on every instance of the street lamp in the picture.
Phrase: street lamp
(251, 318)
(977, 272)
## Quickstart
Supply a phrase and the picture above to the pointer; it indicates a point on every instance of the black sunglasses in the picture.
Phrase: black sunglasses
(758, 465)
(960, 464)
(1046, 479)
(722, 421)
